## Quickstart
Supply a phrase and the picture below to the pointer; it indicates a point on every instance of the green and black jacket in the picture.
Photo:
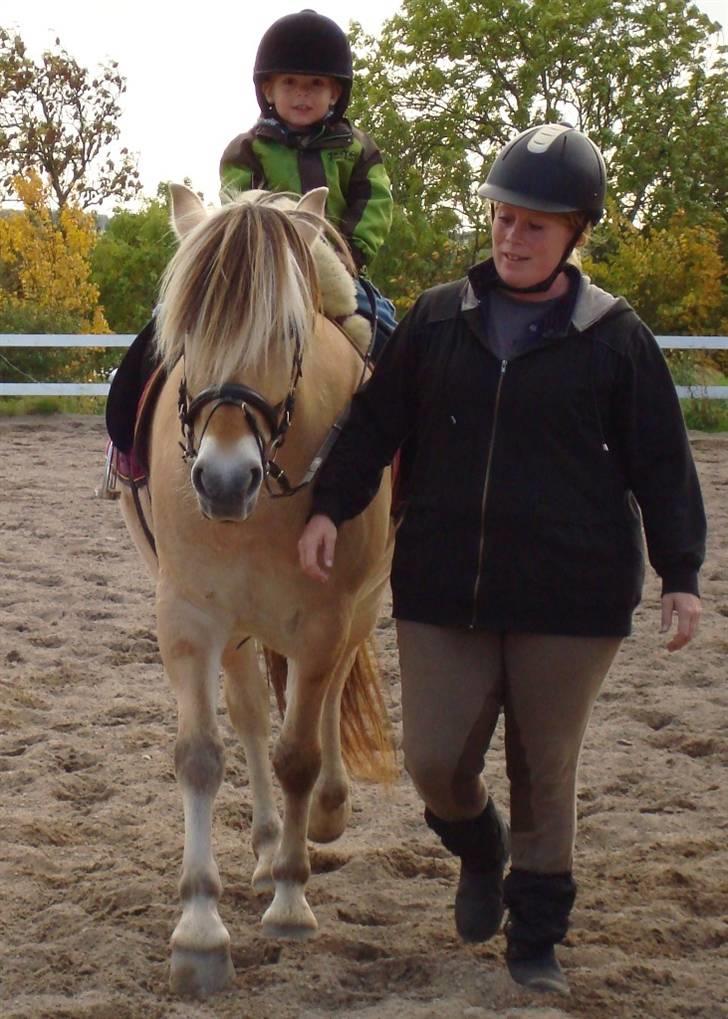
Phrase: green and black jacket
(333, 155)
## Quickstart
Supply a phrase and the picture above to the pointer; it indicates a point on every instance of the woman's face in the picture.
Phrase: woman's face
(301, 100)
(527, 247)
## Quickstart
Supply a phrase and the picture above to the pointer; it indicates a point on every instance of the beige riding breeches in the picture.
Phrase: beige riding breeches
(456, 682)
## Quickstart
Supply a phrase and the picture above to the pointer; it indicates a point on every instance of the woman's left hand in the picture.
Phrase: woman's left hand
(687, 608)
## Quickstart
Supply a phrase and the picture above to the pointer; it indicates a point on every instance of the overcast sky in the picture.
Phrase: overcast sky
(189, 87)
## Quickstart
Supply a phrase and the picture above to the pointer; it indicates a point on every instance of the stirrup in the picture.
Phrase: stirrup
(109, 489)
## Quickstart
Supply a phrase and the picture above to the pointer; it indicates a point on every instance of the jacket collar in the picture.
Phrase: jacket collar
(318, 136)
(483, 279)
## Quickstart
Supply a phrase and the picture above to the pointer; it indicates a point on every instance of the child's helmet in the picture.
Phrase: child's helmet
(551, 168)
(305, 43)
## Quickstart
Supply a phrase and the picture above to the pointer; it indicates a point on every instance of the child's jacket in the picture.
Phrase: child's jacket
(336, 155)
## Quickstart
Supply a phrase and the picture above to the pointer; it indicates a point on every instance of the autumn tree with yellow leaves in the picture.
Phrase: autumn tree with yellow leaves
(59, 156)
(675, 278)
(45, 282)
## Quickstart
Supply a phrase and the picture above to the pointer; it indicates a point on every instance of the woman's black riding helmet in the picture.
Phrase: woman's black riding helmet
(550, 168)
(305, 43)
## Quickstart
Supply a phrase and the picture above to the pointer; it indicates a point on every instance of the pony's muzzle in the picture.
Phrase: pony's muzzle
(227, 484)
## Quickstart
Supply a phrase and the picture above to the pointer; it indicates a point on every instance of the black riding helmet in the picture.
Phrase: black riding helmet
(550, 168)
(305, 43)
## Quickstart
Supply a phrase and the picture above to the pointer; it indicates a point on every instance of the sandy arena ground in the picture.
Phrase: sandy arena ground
(91, 820)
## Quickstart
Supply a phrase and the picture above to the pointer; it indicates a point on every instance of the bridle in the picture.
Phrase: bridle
(277, 418)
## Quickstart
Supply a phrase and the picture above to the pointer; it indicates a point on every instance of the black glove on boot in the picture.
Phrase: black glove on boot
(538, 918)
(483, 845)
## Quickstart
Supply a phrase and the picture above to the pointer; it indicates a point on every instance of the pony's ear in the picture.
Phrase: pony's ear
(315, 203)
(187, 209)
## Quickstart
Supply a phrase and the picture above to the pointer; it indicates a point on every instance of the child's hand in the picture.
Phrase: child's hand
(316, 547)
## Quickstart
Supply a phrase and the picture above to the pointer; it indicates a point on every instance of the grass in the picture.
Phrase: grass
(706, 415)
(15, 406)
(700, 414)
(689, 368)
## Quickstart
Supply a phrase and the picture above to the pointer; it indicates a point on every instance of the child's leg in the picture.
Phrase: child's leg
(384, 310)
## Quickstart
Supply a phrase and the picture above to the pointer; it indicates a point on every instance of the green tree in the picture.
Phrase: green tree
(62, 121)
(128, 262)
(450, 81)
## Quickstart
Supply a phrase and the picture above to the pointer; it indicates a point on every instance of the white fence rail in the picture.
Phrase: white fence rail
(33, 388)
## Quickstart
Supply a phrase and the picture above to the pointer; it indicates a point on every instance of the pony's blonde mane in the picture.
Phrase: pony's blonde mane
(241, 294)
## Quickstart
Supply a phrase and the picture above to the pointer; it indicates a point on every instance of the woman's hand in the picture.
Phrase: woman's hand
(687, 608)
(316, 547)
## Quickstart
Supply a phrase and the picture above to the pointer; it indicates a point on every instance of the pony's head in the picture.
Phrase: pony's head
(241, 293)
(239, 302)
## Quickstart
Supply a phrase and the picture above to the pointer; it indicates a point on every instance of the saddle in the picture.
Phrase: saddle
(132, 466)
(134, 391)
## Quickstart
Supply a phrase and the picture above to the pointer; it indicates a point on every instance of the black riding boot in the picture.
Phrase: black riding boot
(538, 918)
(483, 845)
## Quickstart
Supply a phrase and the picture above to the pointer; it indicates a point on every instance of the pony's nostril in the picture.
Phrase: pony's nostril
(197, 479)
(256, 476)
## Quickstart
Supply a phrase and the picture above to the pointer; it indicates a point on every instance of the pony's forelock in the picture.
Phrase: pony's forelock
(239, 296)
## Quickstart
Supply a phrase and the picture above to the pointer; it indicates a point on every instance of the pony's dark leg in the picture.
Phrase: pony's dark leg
(191, 650)
(331, 801)
(247, 697)
(297, 760)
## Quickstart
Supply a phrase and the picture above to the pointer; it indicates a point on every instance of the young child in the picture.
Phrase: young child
(303, 77)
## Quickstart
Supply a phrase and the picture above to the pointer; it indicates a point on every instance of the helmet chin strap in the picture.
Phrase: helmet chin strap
(544, 285)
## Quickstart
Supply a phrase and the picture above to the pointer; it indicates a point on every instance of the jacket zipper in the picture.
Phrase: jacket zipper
(486, 484)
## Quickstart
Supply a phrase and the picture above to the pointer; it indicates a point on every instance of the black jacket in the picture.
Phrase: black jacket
(523, 478)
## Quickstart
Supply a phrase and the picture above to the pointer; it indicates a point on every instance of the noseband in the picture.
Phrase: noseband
(277, 420)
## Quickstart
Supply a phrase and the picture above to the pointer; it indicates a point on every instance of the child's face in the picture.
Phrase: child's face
(301, 99)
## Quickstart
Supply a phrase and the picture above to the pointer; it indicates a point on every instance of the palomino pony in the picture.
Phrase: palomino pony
(257, 377)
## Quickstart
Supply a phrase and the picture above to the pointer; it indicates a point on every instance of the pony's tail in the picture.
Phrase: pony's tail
(366, 734)
(367, 745)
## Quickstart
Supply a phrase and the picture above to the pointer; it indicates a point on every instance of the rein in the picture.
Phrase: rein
(277, 418)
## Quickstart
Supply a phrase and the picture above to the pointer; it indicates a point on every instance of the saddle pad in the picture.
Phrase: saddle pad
(127, 388)
(145, 412)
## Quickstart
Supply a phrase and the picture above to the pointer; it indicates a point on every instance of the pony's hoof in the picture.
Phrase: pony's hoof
(289, 916)
(197, 974)
(288, 932)
(262, 880)
(325, 824)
